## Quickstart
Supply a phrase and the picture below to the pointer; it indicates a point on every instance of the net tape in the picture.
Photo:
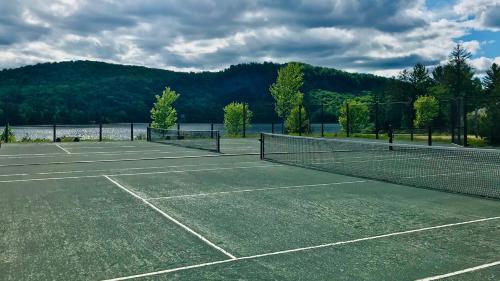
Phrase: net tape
(460, 170)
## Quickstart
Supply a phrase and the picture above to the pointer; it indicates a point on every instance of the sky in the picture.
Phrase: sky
(372, 36)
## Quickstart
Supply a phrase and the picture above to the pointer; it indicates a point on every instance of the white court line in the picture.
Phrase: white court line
(13, 175)
(144, 173)
(129, 159)
(302, 249)
(256, 189)
(63, 149)
(100, 147)
(437, 277)
(199, 170)
(99, 153)
(125, 169)
(49, 154)
(172, 219)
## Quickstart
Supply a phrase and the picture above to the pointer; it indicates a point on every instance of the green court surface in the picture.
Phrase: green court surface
(146, 211)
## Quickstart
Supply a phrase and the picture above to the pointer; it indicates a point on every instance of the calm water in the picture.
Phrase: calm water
(122, 131)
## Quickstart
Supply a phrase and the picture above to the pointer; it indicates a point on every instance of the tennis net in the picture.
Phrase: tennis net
(206, 140)
(461, 170)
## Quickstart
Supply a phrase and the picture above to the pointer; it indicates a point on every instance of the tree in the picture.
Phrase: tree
(163, 113)
(233, 118)
(7, 135)
(492, 89)
(358, 116)
(426, 109)
(420, 80)
(461, 78)
(296, 122)
(286, 89)
(416, 83)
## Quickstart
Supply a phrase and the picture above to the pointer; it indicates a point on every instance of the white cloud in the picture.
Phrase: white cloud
(485, 13)
(482, 64)
(371, 36)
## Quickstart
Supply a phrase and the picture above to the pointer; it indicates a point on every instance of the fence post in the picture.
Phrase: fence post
(54, 134)
(300, 120)
(458, 121)
(348, 120)
(376, 120)
(100, 131)
(218, 141)
(429, 136)
(211, 130)
(148, 133)
(6, 134)
(131, 131)
(178, 129)
(464, 109)
(261, 146)
(390, 133)
(244, 119)
(272, 127)
(322, 122)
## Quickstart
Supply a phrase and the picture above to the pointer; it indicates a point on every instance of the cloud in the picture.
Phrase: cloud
(483, 14)
(482, 64)
(368, 36)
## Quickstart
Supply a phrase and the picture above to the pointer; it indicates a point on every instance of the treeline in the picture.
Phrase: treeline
(465, 103)
(92, 92)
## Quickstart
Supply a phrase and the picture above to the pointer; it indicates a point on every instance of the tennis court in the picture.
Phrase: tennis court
(149, 211)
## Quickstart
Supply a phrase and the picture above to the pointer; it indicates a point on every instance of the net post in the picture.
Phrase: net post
(348, 121)
(54, 135)
(322, 121)
(261, 146)
(100, 131)
(132, 131)
(429, 136)
(464, 109)
(244, 120)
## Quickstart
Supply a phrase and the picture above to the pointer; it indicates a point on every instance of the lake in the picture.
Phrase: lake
(121, 131)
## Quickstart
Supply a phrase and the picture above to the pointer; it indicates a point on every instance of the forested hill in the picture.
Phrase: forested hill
(88, 92)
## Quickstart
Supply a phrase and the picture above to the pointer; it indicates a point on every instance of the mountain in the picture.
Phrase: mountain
(90, 92)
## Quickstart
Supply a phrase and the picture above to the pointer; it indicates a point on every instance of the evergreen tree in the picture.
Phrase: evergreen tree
(492, 89)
